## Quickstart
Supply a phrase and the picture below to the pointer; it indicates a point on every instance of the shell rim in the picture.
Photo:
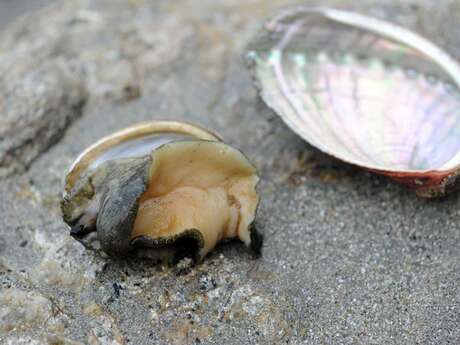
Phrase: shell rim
(132, 132)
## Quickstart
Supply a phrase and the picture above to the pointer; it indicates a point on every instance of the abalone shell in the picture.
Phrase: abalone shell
(365, 91)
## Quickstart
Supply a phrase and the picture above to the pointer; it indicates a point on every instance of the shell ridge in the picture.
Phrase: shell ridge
(284, 86)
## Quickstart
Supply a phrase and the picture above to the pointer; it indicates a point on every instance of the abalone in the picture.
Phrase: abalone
(167, 190)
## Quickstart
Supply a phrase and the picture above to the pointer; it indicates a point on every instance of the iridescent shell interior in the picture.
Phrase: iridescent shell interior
(363, 90)
(135, 141)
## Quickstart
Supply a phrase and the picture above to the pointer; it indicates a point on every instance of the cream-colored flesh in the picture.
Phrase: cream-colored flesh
(208, 186)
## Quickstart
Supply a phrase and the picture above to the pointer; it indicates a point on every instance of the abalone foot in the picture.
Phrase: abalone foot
(169, 250)
(257, 240)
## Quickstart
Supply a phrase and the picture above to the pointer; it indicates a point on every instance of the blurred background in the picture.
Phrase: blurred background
(11, 9)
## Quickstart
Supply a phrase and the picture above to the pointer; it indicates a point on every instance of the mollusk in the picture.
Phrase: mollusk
(365, 91)
(165, 189)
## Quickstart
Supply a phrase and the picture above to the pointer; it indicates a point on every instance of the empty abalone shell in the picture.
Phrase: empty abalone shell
(365, 91)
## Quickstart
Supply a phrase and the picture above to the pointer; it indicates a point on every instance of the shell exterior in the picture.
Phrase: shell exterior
(365, 91)
(116, 189)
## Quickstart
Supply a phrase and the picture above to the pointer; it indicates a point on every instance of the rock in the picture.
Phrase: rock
(23, 310)
(51, 273)
(349, 257)
(37, 104)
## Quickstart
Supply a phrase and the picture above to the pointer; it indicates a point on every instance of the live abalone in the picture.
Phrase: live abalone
(365, 91)
(166, 189)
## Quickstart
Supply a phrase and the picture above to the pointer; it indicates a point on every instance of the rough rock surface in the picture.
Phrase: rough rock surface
(349, 257)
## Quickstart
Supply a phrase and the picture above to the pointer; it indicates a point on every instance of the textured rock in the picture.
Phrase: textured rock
(22, 310)
(38, 100)
(349, 257)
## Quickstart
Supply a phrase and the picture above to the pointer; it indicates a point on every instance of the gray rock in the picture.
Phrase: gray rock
(22, 310)
(349, 257)
(9, 10)
(38, 101)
